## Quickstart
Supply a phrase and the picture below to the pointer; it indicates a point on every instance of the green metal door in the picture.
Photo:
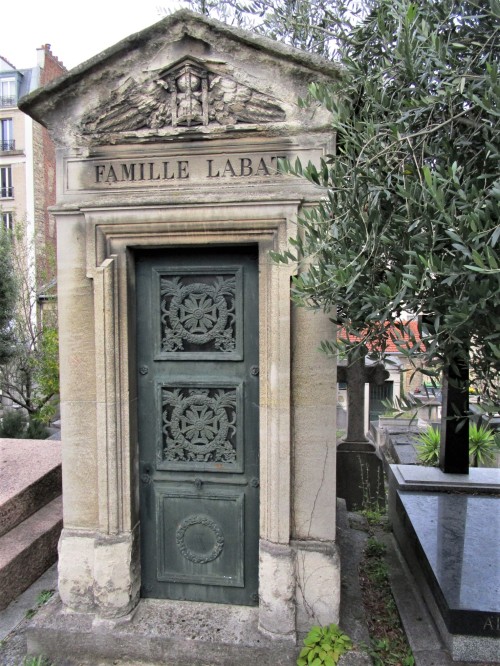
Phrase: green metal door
(197, 359)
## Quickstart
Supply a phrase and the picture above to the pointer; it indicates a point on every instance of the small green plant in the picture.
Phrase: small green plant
(41, 599)
(482, 445)
(388, 642)
(37, 661)
(324, 645)
(44, 596)
(428, 446)
(375, 548)
(373, 493)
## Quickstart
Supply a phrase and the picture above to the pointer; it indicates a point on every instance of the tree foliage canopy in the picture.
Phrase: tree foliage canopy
(8, 294)
(310, 25)
(409, 217)
(29, 370)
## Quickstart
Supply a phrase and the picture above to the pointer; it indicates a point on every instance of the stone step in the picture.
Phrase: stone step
(30, 477)
(28, 550)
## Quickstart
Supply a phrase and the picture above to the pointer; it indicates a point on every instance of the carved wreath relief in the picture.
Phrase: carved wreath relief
(199, 425)
(211, 530)
(187, 95)
(198, 313)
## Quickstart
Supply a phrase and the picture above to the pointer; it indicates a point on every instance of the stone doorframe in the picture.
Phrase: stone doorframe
(110, 555)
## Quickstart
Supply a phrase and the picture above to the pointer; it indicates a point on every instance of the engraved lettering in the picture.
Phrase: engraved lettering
(228, 169)
(183, 169)
(166, 174)
(128, 172)
(151, 172)
(246, 166)
(275, 158)
(210, 174)
(262, 167)
(492, 623)
(111, 177)
(99, 173)
(197, 167)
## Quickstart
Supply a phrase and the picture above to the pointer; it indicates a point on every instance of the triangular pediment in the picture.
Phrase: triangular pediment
(188, 94)
(184, 75)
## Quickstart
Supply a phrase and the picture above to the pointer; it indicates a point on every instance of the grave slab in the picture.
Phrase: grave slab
(450, 541)
(458, 538)
(418, 477)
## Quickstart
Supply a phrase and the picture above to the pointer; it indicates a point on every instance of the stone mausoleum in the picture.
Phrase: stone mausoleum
(198, 416)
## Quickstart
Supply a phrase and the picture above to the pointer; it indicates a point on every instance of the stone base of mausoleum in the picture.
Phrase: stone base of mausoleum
(173, 633)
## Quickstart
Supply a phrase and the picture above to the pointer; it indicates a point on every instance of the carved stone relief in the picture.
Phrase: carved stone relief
(187, 95)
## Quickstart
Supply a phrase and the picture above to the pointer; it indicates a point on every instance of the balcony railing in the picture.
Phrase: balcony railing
(9, 100)
(8, 145)
(6, 192)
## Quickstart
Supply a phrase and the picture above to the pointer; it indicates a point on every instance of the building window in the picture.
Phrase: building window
(6, 188)
(7, 221)
(7, 134)
(8, 92)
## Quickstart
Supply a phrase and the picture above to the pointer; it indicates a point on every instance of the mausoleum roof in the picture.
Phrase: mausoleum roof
(138, 67)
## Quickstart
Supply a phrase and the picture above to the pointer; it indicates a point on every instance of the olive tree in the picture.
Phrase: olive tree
(409, 217)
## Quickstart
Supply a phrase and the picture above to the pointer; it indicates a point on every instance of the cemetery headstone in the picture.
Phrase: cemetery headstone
(360, 477)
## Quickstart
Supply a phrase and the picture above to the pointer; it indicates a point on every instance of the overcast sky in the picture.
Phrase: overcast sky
(76, 30)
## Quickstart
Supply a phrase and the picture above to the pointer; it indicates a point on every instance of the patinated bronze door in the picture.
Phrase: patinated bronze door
(197, 360)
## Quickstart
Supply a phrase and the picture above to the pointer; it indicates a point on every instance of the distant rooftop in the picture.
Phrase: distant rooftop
(393, 332)
(6, 65)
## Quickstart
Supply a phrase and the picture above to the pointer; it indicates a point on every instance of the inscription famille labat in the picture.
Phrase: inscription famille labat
(180, 170)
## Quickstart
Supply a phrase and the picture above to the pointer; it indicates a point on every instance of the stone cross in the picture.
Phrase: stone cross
(360, 477)
(356, 374)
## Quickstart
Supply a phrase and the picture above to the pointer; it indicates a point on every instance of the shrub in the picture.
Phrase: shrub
(324, 646)
(13, 425)
(482, 445)
(36, 430)
(428, 446)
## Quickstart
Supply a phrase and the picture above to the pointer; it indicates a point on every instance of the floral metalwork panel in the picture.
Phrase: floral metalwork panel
(198, 313)
(199, 426)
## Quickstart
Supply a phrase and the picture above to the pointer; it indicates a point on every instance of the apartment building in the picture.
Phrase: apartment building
(27, 161)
